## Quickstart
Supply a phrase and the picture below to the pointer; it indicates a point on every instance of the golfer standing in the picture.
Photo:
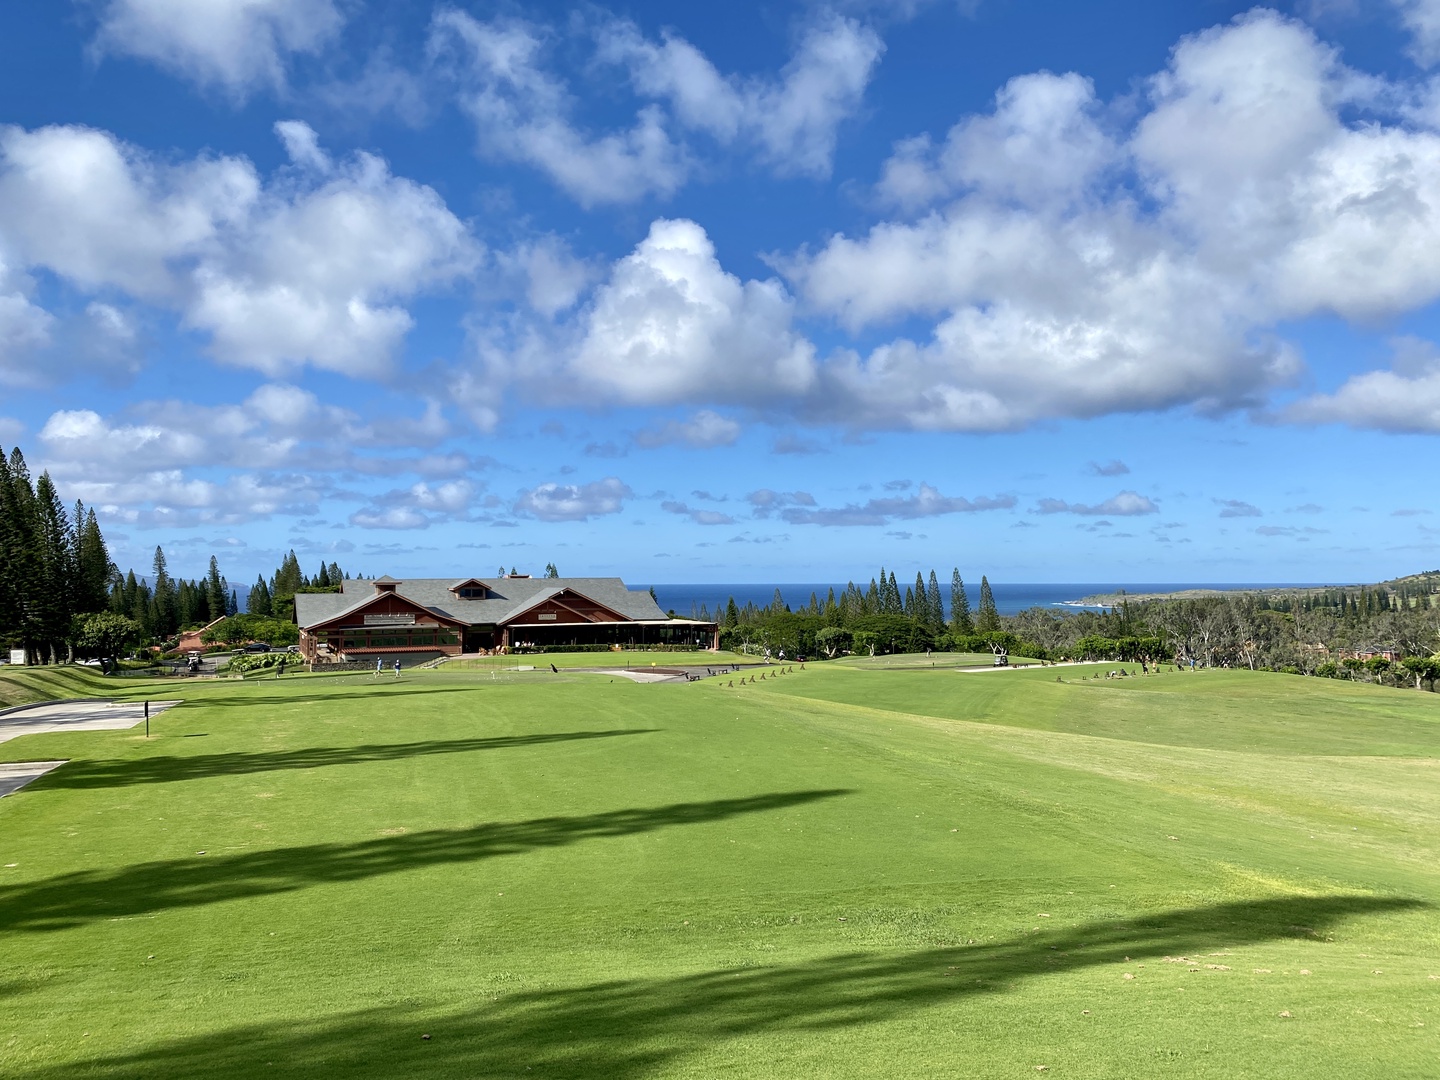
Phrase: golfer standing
(397, 667)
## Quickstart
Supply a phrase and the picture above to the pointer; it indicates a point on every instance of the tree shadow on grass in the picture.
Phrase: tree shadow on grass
(629, 1028)
(165, 769)
(70, 899)
(348, 692)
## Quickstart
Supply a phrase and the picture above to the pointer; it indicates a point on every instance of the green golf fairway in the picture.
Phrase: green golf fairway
(844, 871)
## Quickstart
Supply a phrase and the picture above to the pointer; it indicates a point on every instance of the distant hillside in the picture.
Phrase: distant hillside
(1420, 590)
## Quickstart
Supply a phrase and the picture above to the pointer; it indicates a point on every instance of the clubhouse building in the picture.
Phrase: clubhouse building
(424, 619)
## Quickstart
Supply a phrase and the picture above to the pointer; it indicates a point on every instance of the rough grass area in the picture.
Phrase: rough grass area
(831, 873)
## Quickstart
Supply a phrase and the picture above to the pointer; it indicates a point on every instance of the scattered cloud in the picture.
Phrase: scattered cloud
(1404, 398)
(1125, 504)
(1107, 468)
(927, 502)
(704, 430)
(795, 444)
(1422, 19)
(573, 502)
(1234, 508)
(1305, 508)
(698, 516)
(606, 449)
(1409, 513)
(790, 122)
(1289, 530)
(526, 113)
(417, 507)
(237, 45)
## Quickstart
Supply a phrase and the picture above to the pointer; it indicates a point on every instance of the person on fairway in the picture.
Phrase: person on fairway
(397, 667)
(281, 670)
(379, 666)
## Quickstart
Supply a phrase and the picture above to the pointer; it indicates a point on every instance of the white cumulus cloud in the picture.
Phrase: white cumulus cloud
(1056, 292)
(308, 269)
(1403, 398)
(238, 45)
(791, 119)
(573, 502)
(522, 113)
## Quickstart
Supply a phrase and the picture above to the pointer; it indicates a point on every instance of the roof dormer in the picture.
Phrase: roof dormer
(471, 589)
(386, 584)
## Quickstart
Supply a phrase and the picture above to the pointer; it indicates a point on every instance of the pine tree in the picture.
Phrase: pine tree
(93, 569)
(142, 608)
(960, 620)
(54, 598)
(215, 590)
(732, 614)
(896, 605)
(322, 579)
(921, 607)
(258, 602)
(287, 582)
(20, 552)
(336, 578)
(937, 605)
(988, 619)
(167, 608)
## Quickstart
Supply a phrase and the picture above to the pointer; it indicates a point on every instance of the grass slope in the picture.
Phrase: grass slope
(27, 685)
(828, 873)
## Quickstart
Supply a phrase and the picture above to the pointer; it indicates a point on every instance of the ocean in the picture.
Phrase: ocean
(1009, 598)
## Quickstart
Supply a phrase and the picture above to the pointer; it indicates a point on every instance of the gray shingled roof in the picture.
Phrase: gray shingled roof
(510, 597)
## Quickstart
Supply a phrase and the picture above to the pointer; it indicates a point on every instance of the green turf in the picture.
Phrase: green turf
(922, 661)
(837, 872)
(621, 659)
(26, 685)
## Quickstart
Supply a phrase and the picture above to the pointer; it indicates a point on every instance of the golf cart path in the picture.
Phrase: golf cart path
(51, 716)
(15, 775)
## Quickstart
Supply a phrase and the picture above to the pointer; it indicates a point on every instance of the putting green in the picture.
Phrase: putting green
(839, 872)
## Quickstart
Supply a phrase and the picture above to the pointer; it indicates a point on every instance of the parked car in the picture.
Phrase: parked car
(257, 646)
(292, 648)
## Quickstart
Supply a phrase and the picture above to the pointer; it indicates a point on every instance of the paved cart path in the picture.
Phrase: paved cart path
(76, 716)
(15, 775)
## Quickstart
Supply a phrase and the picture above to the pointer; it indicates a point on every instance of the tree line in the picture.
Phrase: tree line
(877, 618)
(1387, 633)
(61, 595)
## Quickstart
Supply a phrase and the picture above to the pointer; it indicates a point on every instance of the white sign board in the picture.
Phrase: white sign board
(545, 617)
(17, 656)
(389, 620)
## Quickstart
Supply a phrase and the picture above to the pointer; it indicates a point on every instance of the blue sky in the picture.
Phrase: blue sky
(1051, 291)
